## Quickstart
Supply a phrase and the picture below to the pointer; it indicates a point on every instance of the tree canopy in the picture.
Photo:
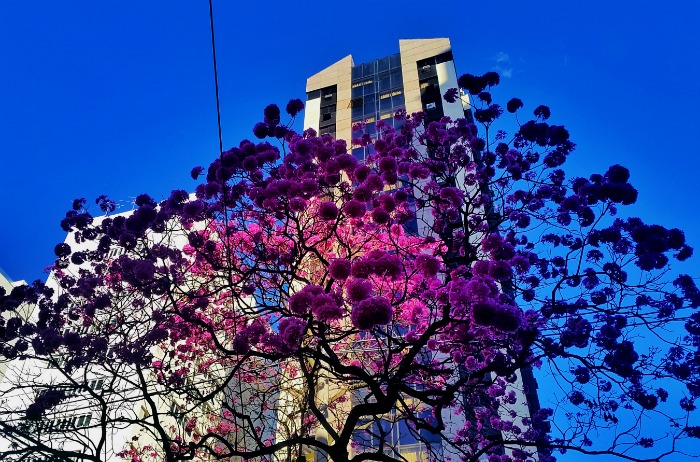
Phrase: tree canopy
(303, 303)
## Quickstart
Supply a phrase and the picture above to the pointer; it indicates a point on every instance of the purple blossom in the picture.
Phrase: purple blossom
(473, 84)
(452, 195)
(514, 104)
(291, 332)
(105, 204)
(500, 271)
(300, 303)
(272, 115)
(542, 112)
(328, 210)
(491, 78)
(387, 202)
(62, 250)
(387, 164)
(504, 318)
(617, 174)
(339, 268)
(294, 106)
(485, 97)
(451, 95)
(361, 268)
(386, 265)
(362, 172)
(372, 312)
(261, 130)
(280, 131)
(488, 115)
(144, 270)
(79, 203)
(250, 164)
(380, 216)
(358, 290)
(196, 172)
(427, 264)
(326, 307)
(354, 208)
(576, 398)
(297, 204)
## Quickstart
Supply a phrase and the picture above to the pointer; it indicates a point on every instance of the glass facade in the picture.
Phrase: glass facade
(377, 93)
(398, 439)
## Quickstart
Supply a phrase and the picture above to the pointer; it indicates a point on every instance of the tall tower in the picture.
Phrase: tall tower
(415, 79)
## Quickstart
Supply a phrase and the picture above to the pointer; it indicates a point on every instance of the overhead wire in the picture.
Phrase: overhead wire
(216, 77)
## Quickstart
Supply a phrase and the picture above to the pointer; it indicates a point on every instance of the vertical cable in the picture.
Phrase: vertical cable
(216, 77)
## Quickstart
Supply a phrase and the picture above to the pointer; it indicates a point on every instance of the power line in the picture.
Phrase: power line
(216, 77)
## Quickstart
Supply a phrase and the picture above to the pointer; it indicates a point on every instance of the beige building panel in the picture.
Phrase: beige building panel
(411, 52)
(345, 134)
(423, 48)
(338, 72)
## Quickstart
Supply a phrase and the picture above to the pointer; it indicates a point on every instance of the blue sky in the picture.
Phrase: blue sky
(117, 98)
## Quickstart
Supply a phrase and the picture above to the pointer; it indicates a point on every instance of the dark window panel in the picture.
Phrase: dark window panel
(384, 64)
(385, 104)
(357, 112)
(395, 61)
(328, 95)
(359, 154)
(356, 92)
(444, 57)
(396, 79)
(369, 69)
(384, 84)
(426, 71)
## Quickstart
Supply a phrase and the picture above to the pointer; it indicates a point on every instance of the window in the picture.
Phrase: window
(96, 384)
(83, 420)
(384, 64)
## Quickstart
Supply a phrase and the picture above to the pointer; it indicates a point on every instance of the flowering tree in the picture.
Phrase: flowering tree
(301, 303)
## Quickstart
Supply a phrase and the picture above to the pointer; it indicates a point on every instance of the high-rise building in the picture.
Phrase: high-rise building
(414, 79)
(346, 94)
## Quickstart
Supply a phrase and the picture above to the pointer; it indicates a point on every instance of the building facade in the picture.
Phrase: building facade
(345, 95)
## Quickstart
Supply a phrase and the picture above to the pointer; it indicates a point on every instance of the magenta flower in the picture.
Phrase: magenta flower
(514, 104)
(196, 172)
(354, 208)
(272, 115)
(294, 107)
(451, 95)
(328, 211)
(376, 311)
(339, 268)
(300, 303)
(358, 290)
(427, 264)
(326, 307)
(291, 332)
(261, 130)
